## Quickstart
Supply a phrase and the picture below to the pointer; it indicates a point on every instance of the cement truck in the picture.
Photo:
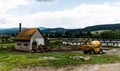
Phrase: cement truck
(92, 47)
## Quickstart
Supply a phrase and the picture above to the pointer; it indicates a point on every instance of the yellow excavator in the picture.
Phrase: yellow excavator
(92, 47)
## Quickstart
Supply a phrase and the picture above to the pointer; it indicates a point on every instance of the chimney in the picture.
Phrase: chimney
(19, 27)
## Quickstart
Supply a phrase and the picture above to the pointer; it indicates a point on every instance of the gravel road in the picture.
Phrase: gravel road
(96, 67)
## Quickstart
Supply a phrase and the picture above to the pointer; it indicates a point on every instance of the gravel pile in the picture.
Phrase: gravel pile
(47, 58)
(113, 51)
(80, 58)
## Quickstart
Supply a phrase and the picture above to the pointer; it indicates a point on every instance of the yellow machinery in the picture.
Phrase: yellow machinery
(92, 47)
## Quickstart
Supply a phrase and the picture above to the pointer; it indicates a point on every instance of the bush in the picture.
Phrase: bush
(7, 47)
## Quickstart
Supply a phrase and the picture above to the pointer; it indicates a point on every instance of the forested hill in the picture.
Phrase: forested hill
(90, 28)
(103, 27)
(62, 30)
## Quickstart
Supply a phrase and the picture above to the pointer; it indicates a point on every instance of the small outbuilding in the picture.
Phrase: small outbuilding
(29, 39)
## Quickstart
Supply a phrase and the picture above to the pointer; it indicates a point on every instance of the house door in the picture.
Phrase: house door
(34, 46)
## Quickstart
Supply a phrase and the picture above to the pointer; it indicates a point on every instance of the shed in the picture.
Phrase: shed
(29, 39)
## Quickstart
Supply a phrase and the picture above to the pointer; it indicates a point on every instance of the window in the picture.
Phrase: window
(113, 43)
(25, 44)
(18, 44)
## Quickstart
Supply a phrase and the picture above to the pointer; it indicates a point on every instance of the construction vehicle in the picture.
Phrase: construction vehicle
(92, 47)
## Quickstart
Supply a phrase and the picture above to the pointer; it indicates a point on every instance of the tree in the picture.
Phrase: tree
(57, 35)
(88, 34)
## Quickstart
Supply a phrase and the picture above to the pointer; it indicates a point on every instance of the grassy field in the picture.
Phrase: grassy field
(99, 31)
(10, 59)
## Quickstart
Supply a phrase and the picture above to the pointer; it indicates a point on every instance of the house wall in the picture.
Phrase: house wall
(38, 38)
(23, 45)
(119, 44)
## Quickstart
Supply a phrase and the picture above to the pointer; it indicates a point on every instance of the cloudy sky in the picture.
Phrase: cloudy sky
(58, 13)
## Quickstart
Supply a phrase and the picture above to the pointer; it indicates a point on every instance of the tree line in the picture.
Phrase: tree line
(109, 34)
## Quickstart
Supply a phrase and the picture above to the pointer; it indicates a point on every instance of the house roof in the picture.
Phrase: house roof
(26, 34)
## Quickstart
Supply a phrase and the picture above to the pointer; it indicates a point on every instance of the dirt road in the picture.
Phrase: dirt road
(96, 67)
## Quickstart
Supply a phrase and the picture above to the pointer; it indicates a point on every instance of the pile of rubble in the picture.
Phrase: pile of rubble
(47, 58)
(80, 58)
(114, 51)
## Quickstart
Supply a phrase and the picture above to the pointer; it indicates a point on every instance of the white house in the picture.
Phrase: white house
(29, 39)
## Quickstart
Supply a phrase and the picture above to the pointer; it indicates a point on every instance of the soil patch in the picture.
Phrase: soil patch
(96, 67)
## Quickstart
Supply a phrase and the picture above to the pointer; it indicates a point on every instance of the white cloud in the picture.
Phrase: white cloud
(5, 6)
(47, 2)
(79, 17)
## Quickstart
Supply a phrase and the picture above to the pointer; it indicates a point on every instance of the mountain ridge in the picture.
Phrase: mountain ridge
(62, 30)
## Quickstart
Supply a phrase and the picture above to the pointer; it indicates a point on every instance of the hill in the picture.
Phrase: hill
(103, 27)
(86, 29)
(9, 31)
(63, 30)
(54, 30)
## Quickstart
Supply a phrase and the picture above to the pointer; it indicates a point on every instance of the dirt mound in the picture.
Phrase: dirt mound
(114, 51)
(96, 67)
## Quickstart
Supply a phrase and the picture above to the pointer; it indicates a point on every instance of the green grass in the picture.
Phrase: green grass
(10, 59)
(99, 31)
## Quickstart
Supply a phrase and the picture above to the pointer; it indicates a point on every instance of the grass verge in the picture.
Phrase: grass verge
(10, 59)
